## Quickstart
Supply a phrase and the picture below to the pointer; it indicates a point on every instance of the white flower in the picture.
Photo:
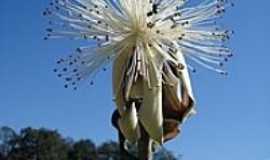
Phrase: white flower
(139, 37)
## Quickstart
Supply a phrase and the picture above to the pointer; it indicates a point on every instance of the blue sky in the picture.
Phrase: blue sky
(233, 121)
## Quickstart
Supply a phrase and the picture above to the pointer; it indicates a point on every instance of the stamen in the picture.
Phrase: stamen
(160, 29)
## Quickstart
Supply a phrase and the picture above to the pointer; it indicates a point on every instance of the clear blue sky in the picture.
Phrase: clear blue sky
(233, 121)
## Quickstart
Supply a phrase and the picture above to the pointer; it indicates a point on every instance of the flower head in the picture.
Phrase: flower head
(158, 28)
(149, 42)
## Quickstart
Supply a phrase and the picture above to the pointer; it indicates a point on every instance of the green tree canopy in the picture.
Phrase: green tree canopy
(38, 144)
(45, 144)
(83, 150)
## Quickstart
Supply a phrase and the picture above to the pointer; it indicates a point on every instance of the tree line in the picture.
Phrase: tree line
(45, 144)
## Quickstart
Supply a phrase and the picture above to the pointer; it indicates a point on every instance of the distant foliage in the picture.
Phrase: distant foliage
(44, 144)
(6, 135)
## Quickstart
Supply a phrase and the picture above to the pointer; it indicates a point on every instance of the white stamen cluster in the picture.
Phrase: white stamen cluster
(157, 28)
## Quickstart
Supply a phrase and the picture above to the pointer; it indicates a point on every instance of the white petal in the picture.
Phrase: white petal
(150, 113)
(128, 124)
